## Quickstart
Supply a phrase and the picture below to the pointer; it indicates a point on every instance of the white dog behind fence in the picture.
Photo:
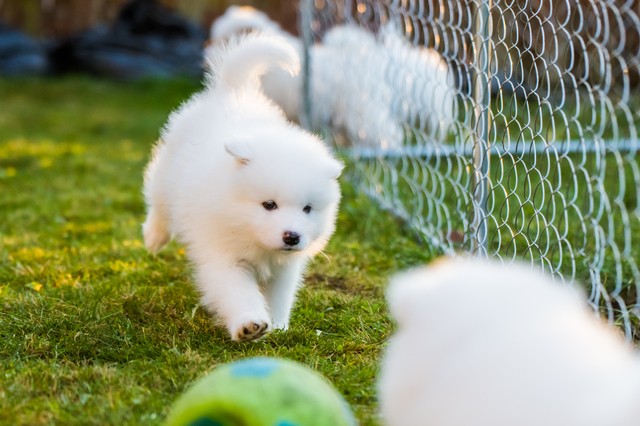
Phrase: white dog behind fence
(422, 86)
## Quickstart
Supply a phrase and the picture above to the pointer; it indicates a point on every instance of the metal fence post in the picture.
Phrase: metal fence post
(482, 98)
(306, 32)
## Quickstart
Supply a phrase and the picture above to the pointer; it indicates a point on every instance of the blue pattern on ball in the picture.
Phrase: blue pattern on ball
(285, 423)
(205, 421)
(255, 367)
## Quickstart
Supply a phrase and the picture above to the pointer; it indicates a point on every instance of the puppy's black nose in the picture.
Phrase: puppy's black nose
(291, 238)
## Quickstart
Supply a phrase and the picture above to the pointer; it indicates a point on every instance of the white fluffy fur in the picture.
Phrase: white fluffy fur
(221, 156)
(389, 82)
(237, 19)
(363, 85)
(349, 79)
(284, 88)
(422, 85)
(483, 344)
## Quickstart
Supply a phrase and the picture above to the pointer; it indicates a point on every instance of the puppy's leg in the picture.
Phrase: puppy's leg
(234, 295)
(281, 291)
(155, 228)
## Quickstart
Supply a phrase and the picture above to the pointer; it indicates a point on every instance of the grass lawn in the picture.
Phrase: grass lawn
(93, 329)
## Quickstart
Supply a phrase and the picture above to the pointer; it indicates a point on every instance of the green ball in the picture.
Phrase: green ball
(261, 392)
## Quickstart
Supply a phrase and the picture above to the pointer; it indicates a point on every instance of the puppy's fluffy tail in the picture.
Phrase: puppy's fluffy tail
(245, 59)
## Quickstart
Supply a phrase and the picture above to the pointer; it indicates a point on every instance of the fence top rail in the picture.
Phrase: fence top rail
(521, 148)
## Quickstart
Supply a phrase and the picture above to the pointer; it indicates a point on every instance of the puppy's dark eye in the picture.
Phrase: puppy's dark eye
(270, 205)
(307, 209)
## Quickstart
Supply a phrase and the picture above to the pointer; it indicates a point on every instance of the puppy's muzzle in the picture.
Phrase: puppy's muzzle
(290, 238)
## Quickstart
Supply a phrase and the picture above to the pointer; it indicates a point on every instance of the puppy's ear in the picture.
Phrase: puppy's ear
(239, 151)
(334, 169)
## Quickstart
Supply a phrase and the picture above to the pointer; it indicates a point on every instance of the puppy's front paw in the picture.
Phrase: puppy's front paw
(283, 325)
(250, 330)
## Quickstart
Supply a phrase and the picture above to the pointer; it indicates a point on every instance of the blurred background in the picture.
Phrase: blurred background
(124, 39)
(55, 18)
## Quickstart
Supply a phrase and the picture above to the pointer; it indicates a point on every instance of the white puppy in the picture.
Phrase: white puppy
(251, 195)
(422, 84)
(348, 76)
(484, 344)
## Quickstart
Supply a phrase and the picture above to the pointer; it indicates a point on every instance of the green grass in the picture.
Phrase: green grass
(93, 329)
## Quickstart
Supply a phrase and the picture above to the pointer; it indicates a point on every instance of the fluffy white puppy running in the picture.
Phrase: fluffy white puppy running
(484, 344)
(251, 195)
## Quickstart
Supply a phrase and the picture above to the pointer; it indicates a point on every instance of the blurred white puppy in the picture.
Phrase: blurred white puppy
(348, 76)
(485, 344)
(422, 84)
(252, 196)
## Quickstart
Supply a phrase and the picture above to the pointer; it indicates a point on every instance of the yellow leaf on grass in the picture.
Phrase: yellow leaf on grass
(34, 286)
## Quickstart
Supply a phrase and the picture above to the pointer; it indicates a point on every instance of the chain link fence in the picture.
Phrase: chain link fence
(503, 128)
